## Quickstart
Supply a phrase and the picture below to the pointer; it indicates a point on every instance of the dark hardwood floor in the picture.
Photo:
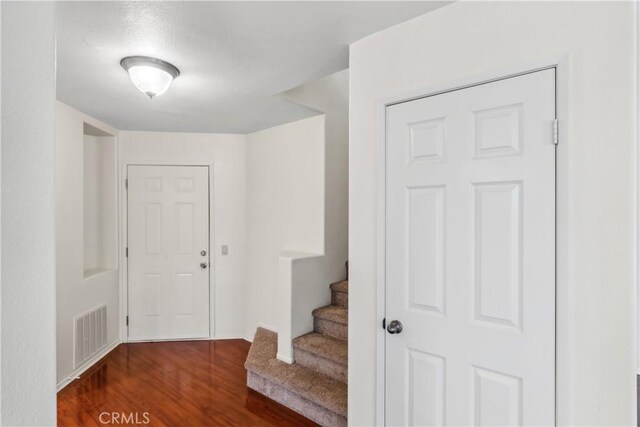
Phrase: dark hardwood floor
(189, 383)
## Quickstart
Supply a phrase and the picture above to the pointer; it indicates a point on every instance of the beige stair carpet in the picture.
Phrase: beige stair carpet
(316, 384)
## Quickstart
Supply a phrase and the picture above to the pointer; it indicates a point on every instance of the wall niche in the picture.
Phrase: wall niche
(100, 201)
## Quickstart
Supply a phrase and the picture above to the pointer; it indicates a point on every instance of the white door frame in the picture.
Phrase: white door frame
(564, 339)
(124, 239)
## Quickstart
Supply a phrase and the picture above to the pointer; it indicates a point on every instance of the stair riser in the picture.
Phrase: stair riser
(314, 412)
(333, 329)
(320, 364)
(340, 299)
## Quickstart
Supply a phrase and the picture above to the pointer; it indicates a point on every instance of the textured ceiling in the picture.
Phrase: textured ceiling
(234, 57)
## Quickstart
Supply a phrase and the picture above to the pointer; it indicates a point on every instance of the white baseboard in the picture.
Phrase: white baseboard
(75, 374)
(285, 359)
(229, 337)
(165, 340)
(268, 327)
(263, 326)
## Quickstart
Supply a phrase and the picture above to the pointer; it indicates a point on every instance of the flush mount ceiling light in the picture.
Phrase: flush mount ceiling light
(151, 75)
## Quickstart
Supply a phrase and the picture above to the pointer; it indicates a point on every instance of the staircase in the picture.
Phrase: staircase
(316, 384)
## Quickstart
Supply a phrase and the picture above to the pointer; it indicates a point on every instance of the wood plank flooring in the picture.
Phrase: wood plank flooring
(188, 383)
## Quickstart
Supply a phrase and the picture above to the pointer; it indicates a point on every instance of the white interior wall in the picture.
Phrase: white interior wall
(330, 95)
(597, 383)
(27, 359)
(303, 277)
(75, 293)
(285, 209)
(225, 154)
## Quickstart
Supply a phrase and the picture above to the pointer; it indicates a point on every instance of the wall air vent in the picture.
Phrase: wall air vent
(90, 334)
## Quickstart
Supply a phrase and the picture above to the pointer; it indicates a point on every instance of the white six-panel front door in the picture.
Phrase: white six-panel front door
(168, 241)
(470, 256)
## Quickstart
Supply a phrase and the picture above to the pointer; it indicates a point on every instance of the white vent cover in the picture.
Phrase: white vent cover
(90, 334)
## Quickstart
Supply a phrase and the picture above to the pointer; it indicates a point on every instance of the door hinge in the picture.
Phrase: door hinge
(126, 252)
(555, 132)
(126, 183)
(384, 323)
(127, 321)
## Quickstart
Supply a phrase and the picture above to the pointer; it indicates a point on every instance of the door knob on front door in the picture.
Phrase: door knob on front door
(203, 265)
(394, 327)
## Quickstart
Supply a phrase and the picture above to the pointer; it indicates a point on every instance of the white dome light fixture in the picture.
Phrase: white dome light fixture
(151, 75)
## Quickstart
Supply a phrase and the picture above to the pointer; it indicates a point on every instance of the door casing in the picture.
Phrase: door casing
(124, 275)
(564, 342)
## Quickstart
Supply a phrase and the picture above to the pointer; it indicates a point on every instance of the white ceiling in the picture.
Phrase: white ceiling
(234, 57)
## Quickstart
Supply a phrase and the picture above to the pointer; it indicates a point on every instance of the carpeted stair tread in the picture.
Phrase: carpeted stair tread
(324, 346)
(333, 313)
(263, 348)
(340, 294)
(313, 386)
(340, 286)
